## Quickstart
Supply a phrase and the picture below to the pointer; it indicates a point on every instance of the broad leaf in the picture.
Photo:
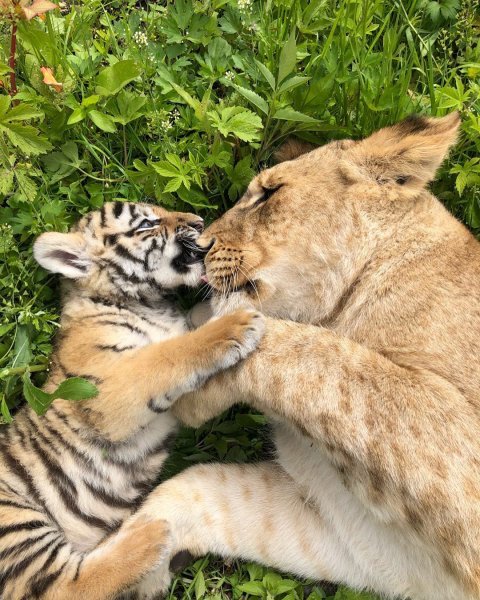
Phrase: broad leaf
(112, 79)
(237, 121)
(102, 121)
(288, 58)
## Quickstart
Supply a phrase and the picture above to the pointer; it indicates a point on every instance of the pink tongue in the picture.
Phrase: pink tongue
(204, 278)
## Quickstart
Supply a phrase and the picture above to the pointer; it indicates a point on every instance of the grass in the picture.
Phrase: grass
(180, 103)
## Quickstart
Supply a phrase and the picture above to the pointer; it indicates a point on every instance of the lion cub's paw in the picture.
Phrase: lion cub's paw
(243, 331)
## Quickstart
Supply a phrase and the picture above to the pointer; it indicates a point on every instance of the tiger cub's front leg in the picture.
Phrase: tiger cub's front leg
(163, 372)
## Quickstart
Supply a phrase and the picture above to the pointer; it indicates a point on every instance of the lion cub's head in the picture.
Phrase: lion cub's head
(305, 227)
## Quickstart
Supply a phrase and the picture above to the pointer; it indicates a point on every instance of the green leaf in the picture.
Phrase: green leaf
(26, 185)
(26, 138)
(253, 97)
(6, 181)
(37, 398)
(237, 121)
(292, 83)
(200, 587)
(77, 115)
(267, 74)
(195, 198)
(288, 58)
(7, 326)
(4, 105)
(7, 417)
(102, 121)
(289, 114)
(90, 100)
(75, 388)
(112, 79)
(22, 112)
(253, 588)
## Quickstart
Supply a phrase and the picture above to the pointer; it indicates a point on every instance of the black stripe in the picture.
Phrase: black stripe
(118, 209)
(56, 475)
(103, 220)
(124, 252)
(17, 548)
(109, 499)
(133, 213)
(85, 459)
(105, 302)
(19, 471)
(7, 574)
(110, 238)
(153, 246)
(40, 586)
(67, 491)
(114, 347)
(120, 271)
(124, 324)
(97, 380)
(16, 505)
(79, 566)
(26, 525)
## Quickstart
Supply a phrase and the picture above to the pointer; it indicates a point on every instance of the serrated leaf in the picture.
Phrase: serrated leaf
(173, 184)
(102, 121)
(112, 79)
(288, 57)
(237, 121)
(22, 112)
(6, 181)
(289, 114)
(253, 97)
(75, 388)
(26, 185)
(26, 138)
(165, 169)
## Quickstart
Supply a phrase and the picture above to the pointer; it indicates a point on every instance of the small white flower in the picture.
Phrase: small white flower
(140, 38)
(230, 75)
(165, 125)
(244, 6)
(174, 116)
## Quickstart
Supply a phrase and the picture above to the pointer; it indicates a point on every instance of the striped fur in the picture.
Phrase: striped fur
(71, 481)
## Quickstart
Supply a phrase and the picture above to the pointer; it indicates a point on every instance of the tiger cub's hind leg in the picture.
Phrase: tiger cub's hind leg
(36, 561)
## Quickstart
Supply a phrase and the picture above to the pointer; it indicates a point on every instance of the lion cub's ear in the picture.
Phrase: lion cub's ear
(410, 152)
(292, 149)
(62, 253)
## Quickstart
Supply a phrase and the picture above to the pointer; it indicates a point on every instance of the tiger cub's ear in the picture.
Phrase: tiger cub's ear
(292, 149)
(63, 253)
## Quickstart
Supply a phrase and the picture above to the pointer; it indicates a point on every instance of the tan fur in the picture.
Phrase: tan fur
(71, 481)
(374, 391)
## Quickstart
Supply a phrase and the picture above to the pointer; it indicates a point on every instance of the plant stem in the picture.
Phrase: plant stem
(21, 370)
(11, 61)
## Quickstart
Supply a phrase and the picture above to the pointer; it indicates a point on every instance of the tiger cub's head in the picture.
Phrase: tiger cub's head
(128, 250)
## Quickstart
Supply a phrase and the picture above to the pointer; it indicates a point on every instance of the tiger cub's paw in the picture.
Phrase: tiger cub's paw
(243, 330)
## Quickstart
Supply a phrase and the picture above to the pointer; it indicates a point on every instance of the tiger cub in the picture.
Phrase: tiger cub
(71, 481)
